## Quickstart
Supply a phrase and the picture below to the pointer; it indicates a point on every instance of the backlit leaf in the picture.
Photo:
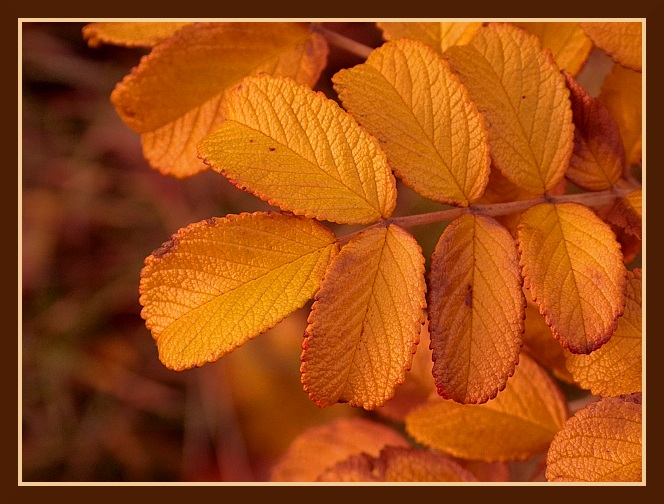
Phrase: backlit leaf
(220, 282)
(321, 447)
(365, 323)
(599, 156)
(568, 42)
(600, 443)
(573, 267)
(620, 40)
(176, 95)
(434, 137)
(519, 89)
(615, 369)
(476, 309)
(130, 34)
(299, 150)
(520, 422)
(439, 36)
(398, 464)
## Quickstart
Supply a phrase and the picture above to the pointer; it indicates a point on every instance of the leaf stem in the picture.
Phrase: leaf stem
(342, 41)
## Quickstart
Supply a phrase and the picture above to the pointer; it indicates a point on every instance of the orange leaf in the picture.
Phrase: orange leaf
(130, 34)
(615, 369)
(518, 88)
(176, 95)
(297, 149)
(321, 447)
(574, 269)
(620, 40)
(439, 36)
(476, 309)
(220, 282)
(433, 135)
(601, 442)
(520, 422)
(599, 156)
(365, 323)
(626, 214)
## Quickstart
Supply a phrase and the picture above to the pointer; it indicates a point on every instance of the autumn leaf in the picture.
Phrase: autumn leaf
(474, 270)
(130, 34)
(439, 36)
(620, 40)
(627, 213)
(434, 137)
(299, 150)
(220, 282)
(573, 267)
(601, 442)
(176, 96)
(519, 89)
(365, 323)
(616, 368)
(598, 159)
(321, 447)
(519, 423)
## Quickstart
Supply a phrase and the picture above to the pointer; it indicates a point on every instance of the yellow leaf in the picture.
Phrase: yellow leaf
(520, 422)
(476, 309)
(220, 282)
(615, 369)
(176, 95)
(574, 269)
(365, 323)
(130, 34)
(621, 94)
(439, 36)
(318, 448)
(398, 464)
(568, 43)
(601, 442)
(620, 40)
(434, 137)
(519, 89)
(299, 150)
(599, 156)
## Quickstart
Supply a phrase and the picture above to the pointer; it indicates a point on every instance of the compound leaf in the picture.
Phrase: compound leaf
(130, 34)
(434, 137)
(620, 40)
(573, 266)
(299, 150)
(476, 309)
(365, 323)
(219, 282)
(439, 36)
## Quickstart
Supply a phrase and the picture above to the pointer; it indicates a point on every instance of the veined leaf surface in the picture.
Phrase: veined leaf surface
(520, 422)
(600, 443)
(299, 150)
(476, 309)
(573, 266)
(519, 89)
(439, 36)
(176, 95)
(434, 137)
(365, 323)
(220, 282)
(130, 34)
(620, 40)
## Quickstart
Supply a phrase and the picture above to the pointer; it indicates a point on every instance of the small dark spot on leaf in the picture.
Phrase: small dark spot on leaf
(523, 97)
(272, 149)
(469, 297)
(251, 140)
(165, 248)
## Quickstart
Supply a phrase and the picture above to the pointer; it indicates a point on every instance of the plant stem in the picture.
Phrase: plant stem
(339, 40)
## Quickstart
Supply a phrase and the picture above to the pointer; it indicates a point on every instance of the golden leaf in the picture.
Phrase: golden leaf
(434, 137)
(601, 442)
(476, 309)
(220, 282)
(520, 422)
(299, 150)
(599, 156)
(176, 95)
(615, 369)
(573, 266)
(620, 40)
(318, 448)
(439, 36)
(130, 34)
(519, 89)
(365, 323)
